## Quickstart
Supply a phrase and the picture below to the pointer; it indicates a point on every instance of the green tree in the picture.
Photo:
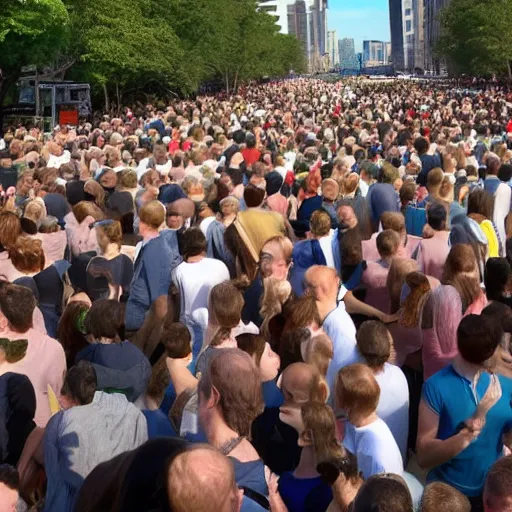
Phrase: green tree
(475, 36)
(32, 32)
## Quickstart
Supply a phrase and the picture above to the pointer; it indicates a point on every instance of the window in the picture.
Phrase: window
(408, 25)
(408, 12)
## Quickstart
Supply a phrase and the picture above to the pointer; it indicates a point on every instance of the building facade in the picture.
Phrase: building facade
(278, 9)
(347, 53)
(374, 53)
(333, 48)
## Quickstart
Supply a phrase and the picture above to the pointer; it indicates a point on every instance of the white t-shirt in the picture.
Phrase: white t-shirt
(393, 406)
(375, 448)
(326, 246)
(194, 282)
(205, 224)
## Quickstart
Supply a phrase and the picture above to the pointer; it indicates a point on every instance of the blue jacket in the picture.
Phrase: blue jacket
(305, 254)
(151, 276)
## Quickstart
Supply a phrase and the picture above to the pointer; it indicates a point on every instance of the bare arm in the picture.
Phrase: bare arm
(433, 452)
(355, 306)
(181, 377)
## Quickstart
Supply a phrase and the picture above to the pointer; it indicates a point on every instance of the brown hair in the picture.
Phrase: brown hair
(17, 304)
(93, 188)
(441, 497)
(237, 380)
(152, 214)
(434, 178)
(225, 305)
(357, 390)
(320, 223)
(159, 381)
(319, 420)
(301, 312)
(27, 255)
(113, 232)
(388, 242)
(221, 335)
(176, 340)
(105, 319)
(319, 353)
(461, 261)
(374, 343)
(398, 271)
(497, 483)
(384, 492)
(252, 344)
(84, 209)
(394, 221)
(127, 179)
(70, 330)
(10, 228)
(480, 202)
(413, 304)
(275, 293)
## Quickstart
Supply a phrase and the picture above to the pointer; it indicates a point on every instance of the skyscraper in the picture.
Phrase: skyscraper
(298, 23)
(347, 52)
(407, 34)
(432, 33)
(332, 48)
(318, 33)
(278, 9)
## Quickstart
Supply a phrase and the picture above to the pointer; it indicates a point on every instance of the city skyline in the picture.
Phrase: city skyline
(360, 20)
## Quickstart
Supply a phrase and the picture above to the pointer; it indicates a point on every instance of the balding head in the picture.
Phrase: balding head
(323, 283)
(204, 477)
(300, 383)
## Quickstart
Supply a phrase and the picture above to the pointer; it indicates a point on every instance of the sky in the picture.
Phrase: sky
(360, 20)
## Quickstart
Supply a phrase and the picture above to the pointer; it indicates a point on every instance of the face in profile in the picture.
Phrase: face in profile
(269, 364)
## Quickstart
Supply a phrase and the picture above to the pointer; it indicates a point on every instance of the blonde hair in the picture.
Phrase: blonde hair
(152, 214)
(35, 211)
(319, 353)
(275, 294)
(85, 209)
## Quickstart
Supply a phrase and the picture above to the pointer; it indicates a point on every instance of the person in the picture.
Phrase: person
(195, 277)
(110, 259)
(205, 477)
(385, 493)
(464, 412)
(382, 196)
(497, 492)
(119, 365)
(71, 331)
(303, 488)
(229, 400)
(71, 448)
(428, 161)
(374, 344)
(156, 258)
(432, 252)
(9, 488)
(366, 435)
(28, 351)
(440, 497)
(480, 208)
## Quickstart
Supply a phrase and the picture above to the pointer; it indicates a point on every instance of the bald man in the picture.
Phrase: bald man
(203, 479)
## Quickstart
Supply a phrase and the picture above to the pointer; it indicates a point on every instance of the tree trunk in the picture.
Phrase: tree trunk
(235, 83)
(509, 69)
(117, 99)
(227, 83)
(107, 99)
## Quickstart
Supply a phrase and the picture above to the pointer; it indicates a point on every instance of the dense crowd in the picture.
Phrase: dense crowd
(294, 299)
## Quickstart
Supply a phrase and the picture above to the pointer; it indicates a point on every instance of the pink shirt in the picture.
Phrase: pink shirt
(375, 279)
(44, 364)
(432, 254)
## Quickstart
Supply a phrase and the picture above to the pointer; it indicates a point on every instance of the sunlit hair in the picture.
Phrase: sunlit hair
(319, 353)
(394, 221)
(85, 209)
(27, 255)
(112, 232)
(10, 228)
(412, 306)
(398, 271)
(388, 242)
(275, 293)
(252, 344)
(319, 421)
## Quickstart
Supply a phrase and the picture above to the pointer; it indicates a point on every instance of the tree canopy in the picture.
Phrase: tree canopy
(136, 45)
(475, 36)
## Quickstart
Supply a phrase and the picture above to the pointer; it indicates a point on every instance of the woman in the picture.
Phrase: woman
(303, 489)
(110, 236)
(10, 232)
(71, 332)
(460, 294)
(229, 206)
(120, 366)
(81, 235)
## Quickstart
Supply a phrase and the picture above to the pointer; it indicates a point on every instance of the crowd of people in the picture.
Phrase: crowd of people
(293, 299)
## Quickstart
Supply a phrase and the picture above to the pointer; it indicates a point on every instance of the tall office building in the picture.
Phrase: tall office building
(298, 23)
(387, 53)
(347, 52)
(318, 33)
(332, 48)
(374, 53)
(278, 9)
(432, 33)
(407, 34)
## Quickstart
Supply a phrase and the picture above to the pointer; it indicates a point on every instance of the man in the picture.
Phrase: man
(428, 161)
(28, 351)
(464, 414)
(250, 153)
(194, 278)
(385, 493)
(93, 427)
(205, 477)
(498, 488)
(382, 196)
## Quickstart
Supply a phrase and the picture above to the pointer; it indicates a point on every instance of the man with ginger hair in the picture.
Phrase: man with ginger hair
(203, 479)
